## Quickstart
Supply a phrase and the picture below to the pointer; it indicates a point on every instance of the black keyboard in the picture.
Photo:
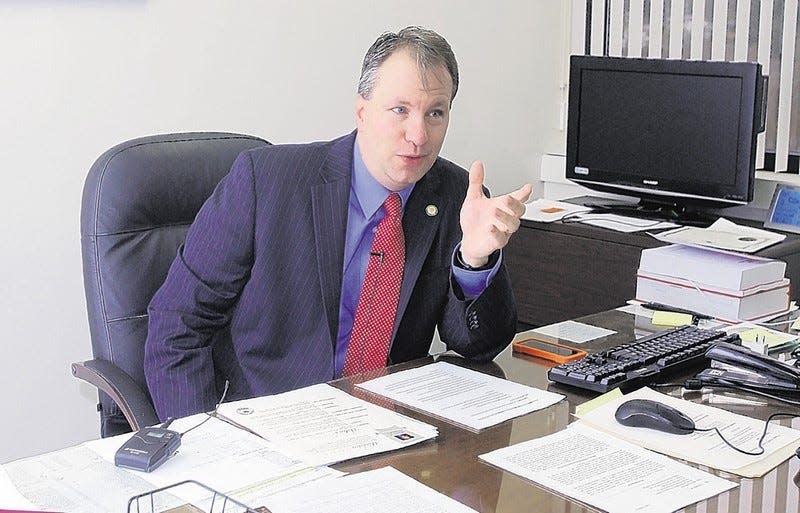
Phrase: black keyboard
(643, 361)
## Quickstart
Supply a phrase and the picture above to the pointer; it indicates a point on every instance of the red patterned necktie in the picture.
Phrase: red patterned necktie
(377, 303)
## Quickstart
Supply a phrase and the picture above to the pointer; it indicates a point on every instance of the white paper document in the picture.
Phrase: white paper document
(573, 331)
(322, 425)
(607, 473)
(217, 454)
(548, 211)
(723, 234)
(78, 479)
(386, 490)
(10, 498)
(705, 447)
(466, 397)
(619, 223)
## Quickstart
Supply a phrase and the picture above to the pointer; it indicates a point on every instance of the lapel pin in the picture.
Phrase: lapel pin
(431, 210)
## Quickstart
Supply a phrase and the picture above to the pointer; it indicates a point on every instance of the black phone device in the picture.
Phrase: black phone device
(750, 369)
(148, 448)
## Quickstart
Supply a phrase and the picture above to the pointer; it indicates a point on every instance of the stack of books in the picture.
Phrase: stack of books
(727, 286)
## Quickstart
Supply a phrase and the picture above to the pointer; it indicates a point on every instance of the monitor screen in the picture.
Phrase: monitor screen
(681, 133)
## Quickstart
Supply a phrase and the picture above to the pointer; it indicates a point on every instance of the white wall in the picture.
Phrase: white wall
(81, 76)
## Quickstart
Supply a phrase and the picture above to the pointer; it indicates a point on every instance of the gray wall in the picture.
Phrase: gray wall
(81, 76)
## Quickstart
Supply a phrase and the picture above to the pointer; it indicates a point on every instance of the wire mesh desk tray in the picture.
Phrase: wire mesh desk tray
(172, 499)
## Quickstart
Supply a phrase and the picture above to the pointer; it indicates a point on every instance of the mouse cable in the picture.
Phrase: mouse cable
(694, 384)
(212, 412)
(760, 440)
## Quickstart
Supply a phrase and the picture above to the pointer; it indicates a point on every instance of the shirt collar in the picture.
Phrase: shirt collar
(370, 194)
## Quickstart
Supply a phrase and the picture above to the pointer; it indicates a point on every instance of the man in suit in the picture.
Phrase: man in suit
(265, 293)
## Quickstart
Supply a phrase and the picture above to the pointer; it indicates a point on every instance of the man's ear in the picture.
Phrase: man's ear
(361, 104)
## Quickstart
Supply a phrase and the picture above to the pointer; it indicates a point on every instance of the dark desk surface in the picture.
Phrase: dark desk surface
(450, 464)
(561, 271)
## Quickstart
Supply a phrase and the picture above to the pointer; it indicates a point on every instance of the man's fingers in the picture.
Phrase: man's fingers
(514, 202)
(506, 222)
(476, 173)
(523, 193)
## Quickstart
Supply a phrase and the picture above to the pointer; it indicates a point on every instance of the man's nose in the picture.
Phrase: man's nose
(416, 131)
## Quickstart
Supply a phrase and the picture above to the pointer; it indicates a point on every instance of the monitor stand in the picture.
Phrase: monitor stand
(650, 209)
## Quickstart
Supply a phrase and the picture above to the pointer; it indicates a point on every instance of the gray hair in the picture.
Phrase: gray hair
(429, 48)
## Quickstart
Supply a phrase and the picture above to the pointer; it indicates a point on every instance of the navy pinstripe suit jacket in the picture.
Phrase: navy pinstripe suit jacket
(253, 294)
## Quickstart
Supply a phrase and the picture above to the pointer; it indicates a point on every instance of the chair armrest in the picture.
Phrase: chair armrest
(123, 390)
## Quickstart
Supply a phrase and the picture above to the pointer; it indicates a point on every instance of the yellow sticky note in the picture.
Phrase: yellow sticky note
(763, 336)
(796, 324)
(584, 408)
(672, 319)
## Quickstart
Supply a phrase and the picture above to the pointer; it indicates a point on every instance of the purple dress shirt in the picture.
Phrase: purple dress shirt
(364, 214)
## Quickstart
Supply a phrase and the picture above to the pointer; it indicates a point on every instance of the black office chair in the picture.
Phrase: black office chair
(138, 201)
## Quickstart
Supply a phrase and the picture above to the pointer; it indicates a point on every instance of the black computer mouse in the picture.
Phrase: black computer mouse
(653, 415)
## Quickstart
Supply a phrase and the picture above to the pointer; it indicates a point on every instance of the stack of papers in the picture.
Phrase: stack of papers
(11, 496)
(255, 448)
(322, 425)
(221, 457)
(704, 448)
(607, 473)
(465, 397)
(723, 234)
(717, 269)
(618, 223)
(722, 284)
(619, 474)
(547, 211)
(386, 490)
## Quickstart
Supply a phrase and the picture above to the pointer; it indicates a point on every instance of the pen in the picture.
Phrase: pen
(658, 307)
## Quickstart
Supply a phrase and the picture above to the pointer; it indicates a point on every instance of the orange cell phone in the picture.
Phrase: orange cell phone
(547, 350)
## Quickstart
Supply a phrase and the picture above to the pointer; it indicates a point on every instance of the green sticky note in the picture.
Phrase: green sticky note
(671, 319)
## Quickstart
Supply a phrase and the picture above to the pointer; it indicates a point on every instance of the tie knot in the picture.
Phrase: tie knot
(392, 205)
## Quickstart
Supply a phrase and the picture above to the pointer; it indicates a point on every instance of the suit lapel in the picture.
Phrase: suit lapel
(419, 228)
(330, 200)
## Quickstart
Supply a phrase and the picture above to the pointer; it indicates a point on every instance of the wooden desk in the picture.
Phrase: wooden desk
(450, 464)
(562, 271)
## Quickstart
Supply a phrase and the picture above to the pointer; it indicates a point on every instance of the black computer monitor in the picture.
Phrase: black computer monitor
(679, 135)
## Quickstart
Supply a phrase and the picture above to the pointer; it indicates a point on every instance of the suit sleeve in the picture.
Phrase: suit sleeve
(479, 328)
(482, 327)
(195, 301)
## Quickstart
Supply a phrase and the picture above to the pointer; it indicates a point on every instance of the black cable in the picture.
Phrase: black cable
(197, 425)
(760, 440)
(208, 413)
(695, 384)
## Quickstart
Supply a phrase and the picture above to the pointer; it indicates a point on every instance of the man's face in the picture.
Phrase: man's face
(401, 127)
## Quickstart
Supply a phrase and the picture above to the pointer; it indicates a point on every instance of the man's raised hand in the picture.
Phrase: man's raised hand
(488, 223)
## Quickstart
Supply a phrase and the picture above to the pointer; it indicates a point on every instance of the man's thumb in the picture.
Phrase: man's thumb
(476, 172)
